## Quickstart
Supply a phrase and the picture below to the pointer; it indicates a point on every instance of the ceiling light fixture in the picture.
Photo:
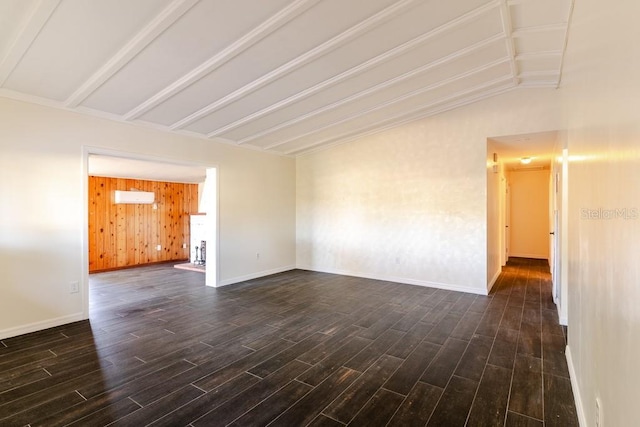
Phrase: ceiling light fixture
(525, 160)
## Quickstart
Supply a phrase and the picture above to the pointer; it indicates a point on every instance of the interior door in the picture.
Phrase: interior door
(507, 222)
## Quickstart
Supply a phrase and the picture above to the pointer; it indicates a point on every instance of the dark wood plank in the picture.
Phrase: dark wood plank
(275, 405)
(345, 407)
(324, 421)
(199, 406)
(504, 348)
(320, 371)
(518, 420)
(441, 332)
(559, 408)
(160, 407)
(454, 404)
(465, 329)
(490, 404)
(440, 370)
(363, 360)
(475, 357)
(307, 408)
(410, 340)
(279, 360)
(526, 391)
(379, 409)
(403, 380)
(418, 406)
(555, 362)
(237, 406)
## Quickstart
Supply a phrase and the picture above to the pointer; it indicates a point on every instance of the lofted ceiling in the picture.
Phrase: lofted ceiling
(284, 76)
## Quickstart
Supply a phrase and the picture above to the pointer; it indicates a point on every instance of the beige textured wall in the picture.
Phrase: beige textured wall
(601, 89)
(410, 204)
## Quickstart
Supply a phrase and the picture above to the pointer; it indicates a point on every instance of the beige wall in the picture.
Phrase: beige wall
(42, 219)
(529, 226)
(410, 204)
(601, 92)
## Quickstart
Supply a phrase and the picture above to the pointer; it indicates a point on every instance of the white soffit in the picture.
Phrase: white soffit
(284, 76)
(120, 167)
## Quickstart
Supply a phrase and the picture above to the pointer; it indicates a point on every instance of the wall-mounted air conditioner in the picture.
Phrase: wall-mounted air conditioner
(134, 197)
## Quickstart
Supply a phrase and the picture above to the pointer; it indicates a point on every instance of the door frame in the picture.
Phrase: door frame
(212, 224)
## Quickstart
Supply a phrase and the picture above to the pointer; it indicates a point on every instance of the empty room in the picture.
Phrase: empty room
(384, 212)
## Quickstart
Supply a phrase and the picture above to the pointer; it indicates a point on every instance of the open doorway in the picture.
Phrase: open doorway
(524, 203)
(157, 176)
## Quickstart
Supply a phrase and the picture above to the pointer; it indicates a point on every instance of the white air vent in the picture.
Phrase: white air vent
(134, 197)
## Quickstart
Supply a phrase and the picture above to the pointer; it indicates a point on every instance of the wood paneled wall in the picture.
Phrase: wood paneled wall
(126, 235)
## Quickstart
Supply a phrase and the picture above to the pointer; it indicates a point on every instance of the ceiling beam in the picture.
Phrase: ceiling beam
(523, 32)
(537, 55)
(386, 56)
(383, 85)
(474, 94)
(298, 62)
(31, 26)
(396, 100)
(566, 41)
(252, 37)
(505, 14)
(150, 32)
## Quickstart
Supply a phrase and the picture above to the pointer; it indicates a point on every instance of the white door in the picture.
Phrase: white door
(507, 222)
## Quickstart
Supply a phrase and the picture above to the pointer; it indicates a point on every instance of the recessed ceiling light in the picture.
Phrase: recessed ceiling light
(525, 160)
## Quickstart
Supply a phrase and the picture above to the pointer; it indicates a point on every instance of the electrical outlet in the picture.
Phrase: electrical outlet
(158, 247)
(258, 255)
(74, 287)
(598, 413)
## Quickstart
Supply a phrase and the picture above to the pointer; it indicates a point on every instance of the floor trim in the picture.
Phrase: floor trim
(582, 419)
(38, 326)
(494, 280)
(445, 286)
(531, 256)
(252, 276)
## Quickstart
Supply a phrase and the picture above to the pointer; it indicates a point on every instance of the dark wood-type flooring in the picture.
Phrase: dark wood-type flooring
(293, 349)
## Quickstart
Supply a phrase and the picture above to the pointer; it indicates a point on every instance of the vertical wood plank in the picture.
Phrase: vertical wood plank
(163, 221)
(101, 217)
(154, 220)
(92, 223)
(131, 227)
(111, 259)
(121, 227)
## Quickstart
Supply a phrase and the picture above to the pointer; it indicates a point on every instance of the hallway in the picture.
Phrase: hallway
(296, 348)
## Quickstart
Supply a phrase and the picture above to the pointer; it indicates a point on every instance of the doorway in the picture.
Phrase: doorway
(97, 161)
(543, 155)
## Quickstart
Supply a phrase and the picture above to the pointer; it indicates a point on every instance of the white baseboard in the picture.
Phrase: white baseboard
(563, 320)
(445, 286)
(582, 419)
(251, 276)
(38, 326)
(534, 256)
(493, 281)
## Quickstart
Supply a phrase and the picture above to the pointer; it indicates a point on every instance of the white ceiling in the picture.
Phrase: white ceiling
(537, 146)
(286, 76)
